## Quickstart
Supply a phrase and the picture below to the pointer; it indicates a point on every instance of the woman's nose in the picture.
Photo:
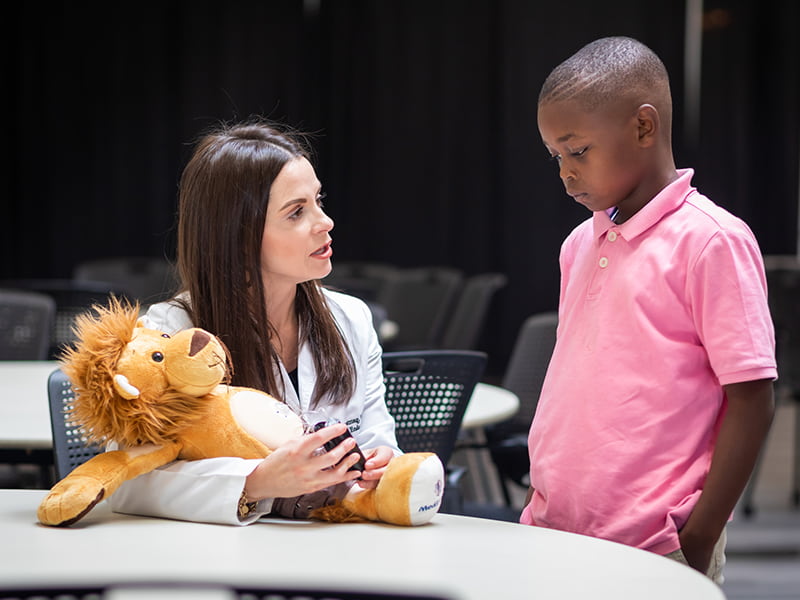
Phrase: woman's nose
(325, 223)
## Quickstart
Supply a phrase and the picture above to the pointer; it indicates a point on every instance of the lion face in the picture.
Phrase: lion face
(192, 362)
(136, 385)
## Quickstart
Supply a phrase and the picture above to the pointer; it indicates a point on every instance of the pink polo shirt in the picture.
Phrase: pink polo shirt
(655, 316)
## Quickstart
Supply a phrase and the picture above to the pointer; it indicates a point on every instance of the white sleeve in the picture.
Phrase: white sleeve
(368, 404)
(205, 490)
(378, 423)
(168, 317)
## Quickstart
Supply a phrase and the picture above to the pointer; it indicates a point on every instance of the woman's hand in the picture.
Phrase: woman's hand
(377, 460)
(298, 468)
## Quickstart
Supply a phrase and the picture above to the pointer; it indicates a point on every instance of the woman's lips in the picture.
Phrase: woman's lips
(324, 252)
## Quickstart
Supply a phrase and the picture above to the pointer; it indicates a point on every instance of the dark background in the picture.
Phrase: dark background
(424, 113)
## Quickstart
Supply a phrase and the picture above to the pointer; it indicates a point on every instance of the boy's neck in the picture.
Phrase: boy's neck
(649, 189)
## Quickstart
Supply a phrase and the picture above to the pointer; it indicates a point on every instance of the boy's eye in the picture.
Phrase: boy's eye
(555, 157)
(580, 152)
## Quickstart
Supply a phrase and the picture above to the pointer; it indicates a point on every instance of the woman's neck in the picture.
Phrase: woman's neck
(283, 318)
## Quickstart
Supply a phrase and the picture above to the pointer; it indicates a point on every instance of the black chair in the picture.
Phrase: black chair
(363, 279)
(72, 297)
(146, 279)
(508, 441)
(427, 392)
(783, 281)
(419, 301)
(465, 326)
(70, 448)
(26, 324)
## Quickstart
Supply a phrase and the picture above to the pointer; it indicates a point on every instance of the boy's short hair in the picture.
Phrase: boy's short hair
(607, 72)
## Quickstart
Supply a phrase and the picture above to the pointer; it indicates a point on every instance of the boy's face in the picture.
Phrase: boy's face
(598, 153)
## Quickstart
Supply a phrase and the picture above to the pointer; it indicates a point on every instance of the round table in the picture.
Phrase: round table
(489, 404)
(452, 557)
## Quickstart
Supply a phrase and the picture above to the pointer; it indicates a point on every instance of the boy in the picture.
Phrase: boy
(659, 395)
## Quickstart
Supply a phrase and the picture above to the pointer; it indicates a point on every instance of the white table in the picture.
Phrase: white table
(24, 408)
(489, 404)
(452, 556)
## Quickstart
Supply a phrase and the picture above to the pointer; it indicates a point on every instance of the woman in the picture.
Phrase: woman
(253, 243)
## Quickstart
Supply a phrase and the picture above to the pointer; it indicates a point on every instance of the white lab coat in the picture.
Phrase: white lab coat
(208, 490)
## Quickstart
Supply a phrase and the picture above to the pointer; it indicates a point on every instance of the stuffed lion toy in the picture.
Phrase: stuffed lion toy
(162, 398)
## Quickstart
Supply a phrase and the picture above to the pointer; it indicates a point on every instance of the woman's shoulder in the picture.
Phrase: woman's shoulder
(169, 316)
(351, 313)
(345, 303)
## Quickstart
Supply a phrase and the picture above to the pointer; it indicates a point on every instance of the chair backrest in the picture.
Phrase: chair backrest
(26, 324)
(70, 448)
(783, 279)
(466, 324)
(146, 279)
(419, 301)
(359, 278)
(72, 297)
(427, 392)
(527, 366)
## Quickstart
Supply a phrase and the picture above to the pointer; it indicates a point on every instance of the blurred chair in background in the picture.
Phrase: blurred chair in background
(783, 282)
(363, 279)
(427, 392)
(26, 324)
(508, 441)
(148, 280)
(468, 318)
(419, 301)
(72, 298)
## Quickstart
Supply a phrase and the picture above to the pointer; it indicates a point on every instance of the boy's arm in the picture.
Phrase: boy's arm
(744, 428)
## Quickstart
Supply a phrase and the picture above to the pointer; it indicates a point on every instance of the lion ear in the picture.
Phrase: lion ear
(140, 323)
(124, 387)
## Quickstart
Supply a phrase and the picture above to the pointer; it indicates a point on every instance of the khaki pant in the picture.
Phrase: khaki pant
(717, 559)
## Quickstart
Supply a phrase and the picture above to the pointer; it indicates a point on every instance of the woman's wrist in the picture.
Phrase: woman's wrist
(246, 506)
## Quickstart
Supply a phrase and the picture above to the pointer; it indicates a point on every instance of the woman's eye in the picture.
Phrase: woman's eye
(157, 357)
(555, 157)
(295, 214)
(321, 198)
(580, 152)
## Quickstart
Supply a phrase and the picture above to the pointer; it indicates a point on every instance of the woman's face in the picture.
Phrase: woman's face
(296, 244)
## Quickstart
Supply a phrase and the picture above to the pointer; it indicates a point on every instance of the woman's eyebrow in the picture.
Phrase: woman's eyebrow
(291, 202)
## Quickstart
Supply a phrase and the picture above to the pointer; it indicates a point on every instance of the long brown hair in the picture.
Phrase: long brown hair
(224, 192)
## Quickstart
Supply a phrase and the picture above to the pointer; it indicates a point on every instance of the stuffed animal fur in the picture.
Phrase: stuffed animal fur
(163, 398)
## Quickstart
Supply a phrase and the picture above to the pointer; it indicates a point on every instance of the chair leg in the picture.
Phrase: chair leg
(796, 487)
(504, 489)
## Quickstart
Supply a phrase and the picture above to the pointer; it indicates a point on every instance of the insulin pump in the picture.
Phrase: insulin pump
(331, 444)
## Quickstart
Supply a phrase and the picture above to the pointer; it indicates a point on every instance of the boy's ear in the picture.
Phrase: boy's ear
(648, 124)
